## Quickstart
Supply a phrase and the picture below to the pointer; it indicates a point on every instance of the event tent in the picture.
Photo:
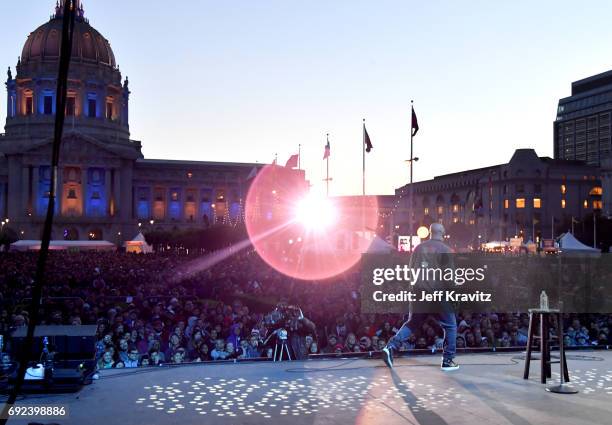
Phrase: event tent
(34, 245)
(138, 245)
(568, 243)
(379, 246)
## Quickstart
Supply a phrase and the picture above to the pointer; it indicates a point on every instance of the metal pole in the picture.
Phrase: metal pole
(327, 164)
(594, 230)
(410, 212)
(327, 178)
(68, 19)
(363, 192)
(552, 227)
(363, 163)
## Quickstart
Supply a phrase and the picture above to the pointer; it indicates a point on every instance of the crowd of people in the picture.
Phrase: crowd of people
(160, 308)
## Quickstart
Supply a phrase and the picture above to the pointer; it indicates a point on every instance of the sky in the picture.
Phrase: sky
(245, 80)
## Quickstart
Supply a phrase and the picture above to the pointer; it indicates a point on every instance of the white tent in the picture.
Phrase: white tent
(379, 246)
(33, 245)
(138, 245)
(568, 243)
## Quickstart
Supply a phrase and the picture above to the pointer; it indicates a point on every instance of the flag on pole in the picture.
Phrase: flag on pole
(415, 123)
(366, 140)
(327, 151)
(292, 162)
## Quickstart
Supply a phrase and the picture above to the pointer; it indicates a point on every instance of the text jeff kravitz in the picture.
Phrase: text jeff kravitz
(431, 296)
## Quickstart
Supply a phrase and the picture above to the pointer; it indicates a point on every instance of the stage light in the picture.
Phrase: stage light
(314, 223)
(315, 212)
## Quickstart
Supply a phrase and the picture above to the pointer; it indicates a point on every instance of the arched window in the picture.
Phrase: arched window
(28, 106)
(109, 108)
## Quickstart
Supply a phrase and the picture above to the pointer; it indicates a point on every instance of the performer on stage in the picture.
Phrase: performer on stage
(433, 253)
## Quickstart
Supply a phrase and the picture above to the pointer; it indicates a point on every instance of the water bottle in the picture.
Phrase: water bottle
(543, 301)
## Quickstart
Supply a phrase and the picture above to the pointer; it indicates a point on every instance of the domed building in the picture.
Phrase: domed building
(106, 189)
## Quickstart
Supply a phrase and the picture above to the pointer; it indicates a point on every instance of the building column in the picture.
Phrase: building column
(116, 191)
(127, 199)
(84, 183)
(126, 191)
(107, 190)
(25, 190)
(35, 177)
(59, 190)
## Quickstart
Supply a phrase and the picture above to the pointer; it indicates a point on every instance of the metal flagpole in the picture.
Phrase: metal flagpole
(67, 33)
(327, 179)
(410, 221)
(363, 156)
(552, 227)
(363, 192)
(594, 230)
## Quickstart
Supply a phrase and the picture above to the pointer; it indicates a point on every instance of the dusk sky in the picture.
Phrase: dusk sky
(240, 81)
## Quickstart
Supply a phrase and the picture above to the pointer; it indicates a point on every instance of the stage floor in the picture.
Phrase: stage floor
(488, 389)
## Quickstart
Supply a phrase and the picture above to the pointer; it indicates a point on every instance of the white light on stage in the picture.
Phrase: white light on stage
(315, 212)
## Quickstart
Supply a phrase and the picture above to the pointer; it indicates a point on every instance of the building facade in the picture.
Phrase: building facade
(106, 189)
(531, 197)
(582, 124)
(582, 128)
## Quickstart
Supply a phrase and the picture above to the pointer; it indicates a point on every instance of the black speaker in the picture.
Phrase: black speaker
(69, 342)
(61, 380)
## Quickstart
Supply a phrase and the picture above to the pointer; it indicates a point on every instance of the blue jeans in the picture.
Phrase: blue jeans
(447, 321)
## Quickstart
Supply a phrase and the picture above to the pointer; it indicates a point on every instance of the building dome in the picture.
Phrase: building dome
(89, 46)
(97, 101)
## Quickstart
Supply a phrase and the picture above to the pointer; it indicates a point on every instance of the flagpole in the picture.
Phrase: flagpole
(594, 230)
(363, 163)
(410, 221)
(552, 227)
(327, 165)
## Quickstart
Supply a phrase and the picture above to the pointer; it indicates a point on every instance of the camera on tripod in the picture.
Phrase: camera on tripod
(283, 316)
(283, 319)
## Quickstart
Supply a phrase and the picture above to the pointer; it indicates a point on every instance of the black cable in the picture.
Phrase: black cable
(68, 20)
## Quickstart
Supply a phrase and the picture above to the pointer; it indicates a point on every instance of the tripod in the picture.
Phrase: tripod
(281, 342)
(283, 348)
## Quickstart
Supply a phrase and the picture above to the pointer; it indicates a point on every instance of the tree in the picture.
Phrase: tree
(7, 237)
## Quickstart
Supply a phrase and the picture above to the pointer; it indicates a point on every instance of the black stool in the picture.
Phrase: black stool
(545, 343)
